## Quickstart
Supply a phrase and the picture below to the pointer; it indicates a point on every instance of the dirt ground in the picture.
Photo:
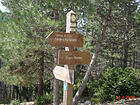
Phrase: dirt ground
(124, 102)
(121, 102)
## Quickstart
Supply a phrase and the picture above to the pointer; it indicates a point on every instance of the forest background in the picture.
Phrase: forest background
(27, 59)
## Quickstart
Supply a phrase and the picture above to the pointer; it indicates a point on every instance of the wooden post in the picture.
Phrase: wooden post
(68, 88)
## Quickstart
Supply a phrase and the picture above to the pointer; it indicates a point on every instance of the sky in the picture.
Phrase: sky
(2, 8)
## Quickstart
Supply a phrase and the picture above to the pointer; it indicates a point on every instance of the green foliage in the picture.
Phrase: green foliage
(76, 85)
(137, 16)
(90, 87)
(23, 34)
(22, 39)
(15, 102)
(117, 82)
(45, 99)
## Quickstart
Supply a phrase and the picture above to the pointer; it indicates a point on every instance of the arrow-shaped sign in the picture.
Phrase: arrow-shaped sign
(65, 39)
(73, 57)
(63, 74)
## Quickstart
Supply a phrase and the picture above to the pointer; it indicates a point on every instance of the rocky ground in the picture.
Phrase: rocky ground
(120, 102)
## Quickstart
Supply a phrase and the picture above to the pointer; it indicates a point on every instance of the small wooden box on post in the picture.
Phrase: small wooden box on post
(68, 88)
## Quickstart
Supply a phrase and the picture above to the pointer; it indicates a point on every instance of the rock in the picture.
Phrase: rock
(27, 103)
(87, 103)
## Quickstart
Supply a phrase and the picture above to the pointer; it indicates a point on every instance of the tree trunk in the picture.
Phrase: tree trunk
(125, 60)
(0, 63)
(126, 46)
(13, 92)
(126, 39)
(41, 71)
(134, 59)
(17, 91)
(94, 57)
(56, 84)
(56, 92)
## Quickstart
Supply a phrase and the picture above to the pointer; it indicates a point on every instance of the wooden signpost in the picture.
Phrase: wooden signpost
(69, 57)
(65, 39)
(73, 58)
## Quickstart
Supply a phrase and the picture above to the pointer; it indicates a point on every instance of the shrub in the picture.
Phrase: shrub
(15, 102)
(117, 82)
(45, 99)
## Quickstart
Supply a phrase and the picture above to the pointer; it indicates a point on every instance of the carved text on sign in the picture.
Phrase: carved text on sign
(73, 57)
(65, 39)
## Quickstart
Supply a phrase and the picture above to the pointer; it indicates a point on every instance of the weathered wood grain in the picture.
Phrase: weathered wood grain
(73, 57)
(65, 39)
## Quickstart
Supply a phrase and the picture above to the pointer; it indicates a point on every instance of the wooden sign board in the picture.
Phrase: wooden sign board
(65, 39)
(73, 58)
(63, 74)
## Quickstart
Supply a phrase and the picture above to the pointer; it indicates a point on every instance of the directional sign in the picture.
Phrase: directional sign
(73, 57)
(63, 74)
(65, 39)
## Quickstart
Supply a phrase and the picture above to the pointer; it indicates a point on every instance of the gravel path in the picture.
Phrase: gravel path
(121, 102)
